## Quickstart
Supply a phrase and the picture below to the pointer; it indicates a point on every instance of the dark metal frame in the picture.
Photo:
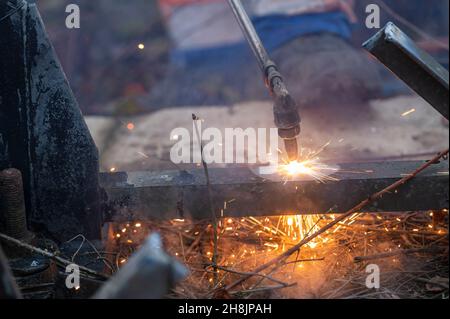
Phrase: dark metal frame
(411, 64)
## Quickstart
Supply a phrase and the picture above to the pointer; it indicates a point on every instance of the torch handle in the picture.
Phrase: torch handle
(250, 33)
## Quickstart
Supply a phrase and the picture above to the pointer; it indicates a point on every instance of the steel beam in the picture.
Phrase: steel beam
(411, 64)
(180, 194)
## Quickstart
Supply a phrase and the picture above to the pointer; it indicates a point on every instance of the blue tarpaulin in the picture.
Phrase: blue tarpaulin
(275, 31)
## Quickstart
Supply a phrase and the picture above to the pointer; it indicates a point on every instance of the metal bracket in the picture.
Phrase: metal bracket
(411, 64)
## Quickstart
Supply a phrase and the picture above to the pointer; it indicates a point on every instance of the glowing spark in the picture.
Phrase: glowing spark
(294, 168)
(312, 244)
(308, 168)
(408, 112)
(138, 225)
(112, 169)
(141, 46)
(130, 126)
(290, 221)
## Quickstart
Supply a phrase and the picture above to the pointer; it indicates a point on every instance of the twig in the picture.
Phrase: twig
(261, 289)
(211, 203)
(104, 260)
(398, 252)
(49, 255)
(430, 281)
(357, 208)
(195, 243)
(304, 260)
(232, 271)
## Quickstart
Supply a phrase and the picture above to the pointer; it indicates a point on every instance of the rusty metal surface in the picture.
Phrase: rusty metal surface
(12, 205)
(42, 131)
(179, 194)
(411, 64)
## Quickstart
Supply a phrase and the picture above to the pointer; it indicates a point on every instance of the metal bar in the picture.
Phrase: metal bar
(250, 33)
(180, 194)
(411, 64)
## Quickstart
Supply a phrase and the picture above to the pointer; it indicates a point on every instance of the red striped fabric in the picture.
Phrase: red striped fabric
(266, 6)
(167, 6)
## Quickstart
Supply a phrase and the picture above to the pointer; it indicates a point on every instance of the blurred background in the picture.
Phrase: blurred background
(140, 68)
(104, 63)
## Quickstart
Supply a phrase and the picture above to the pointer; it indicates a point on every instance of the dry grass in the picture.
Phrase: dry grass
(416, 266)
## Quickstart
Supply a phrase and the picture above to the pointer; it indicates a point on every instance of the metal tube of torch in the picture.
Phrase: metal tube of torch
(285, 112)
(250, 33)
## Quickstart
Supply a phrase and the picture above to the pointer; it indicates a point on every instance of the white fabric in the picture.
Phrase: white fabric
(211, 24)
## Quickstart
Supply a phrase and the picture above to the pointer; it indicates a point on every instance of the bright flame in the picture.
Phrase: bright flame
(290, 221)
(296, 168)
(312, 168)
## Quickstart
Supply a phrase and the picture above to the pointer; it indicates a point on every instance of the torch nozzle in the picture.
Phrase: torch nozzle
(291, 147)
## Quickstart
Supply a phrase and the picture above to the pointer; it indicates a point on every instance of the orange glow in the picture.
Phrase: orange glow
(297, 168)
(290, 221)
(312, 168)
